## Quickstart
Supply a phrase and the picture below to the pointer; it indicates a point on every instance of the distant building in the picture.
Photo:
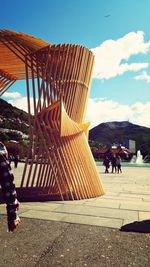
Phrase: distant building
(131, 145)
(122, 151)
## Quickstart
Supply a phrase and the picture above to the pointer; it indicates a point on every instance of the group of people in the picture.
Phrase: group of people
(8, 189)
(115, 162)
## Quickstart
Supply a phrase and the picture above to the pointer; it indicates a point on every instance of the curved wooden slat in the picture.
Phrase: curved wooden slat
(62, 165)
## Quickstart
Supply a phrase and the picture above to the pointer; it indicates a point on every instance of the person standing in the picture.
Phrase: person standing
(8, 190)
(16, 160)
(118, 163)
(113, 163)
(106, 163)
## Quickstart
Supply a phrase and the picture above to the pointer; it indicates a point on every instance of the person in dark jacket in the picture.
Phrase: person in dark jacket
(113, 164)
(118, 162)
(106, 163)
(8, 190)
(16, 160)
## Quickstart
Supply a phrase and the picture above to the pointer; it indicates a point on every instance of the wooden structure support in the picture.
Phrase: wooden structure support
(59, 163)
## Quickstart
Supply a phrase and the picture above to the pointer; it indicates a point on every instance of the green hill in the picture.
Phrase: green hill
(13, 122)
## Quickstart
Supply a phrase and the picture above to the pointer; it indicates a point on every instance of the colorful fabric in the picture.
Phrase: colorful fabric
(8, 189)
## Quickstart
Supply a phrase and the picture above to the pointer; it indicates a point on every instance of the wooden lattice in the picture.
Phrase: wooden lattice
(59, 163)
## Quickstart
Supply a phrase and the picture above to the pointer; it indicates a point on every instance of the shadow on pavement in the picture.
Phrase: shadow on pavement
(140, 227)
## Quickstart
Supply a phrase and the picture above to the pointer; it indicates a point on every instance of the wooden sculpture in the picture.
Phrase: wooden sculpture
(59, 163)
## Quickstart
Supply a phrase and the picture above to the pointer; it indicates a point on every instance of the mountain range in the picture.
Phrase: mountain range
(118, 132)
(12, 118)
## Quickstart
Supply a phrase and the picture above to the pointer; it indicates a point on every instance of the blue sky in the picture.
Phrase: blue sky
(117, 31)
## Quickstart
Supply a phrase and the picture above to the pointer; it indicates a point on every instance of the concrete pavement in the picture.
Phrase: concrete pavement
(82, 233)
(127, 199)
(46, 243)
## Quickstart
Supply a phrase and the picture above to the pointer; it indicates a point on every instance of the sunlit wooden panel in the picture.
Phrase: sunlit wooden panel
(59, 164)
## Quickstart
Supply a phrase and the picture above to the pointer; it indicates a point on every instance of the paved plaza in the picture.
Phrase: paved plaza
(82, 233)
(126, 199)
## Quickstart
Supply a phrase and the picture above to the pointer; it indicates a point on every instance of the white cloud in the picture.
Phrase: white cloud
(99, 111)
(143, 76)
(12, 95)
(21, 103)
(131, 67)
(141, 113)
(104, 110)
(109, 55)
